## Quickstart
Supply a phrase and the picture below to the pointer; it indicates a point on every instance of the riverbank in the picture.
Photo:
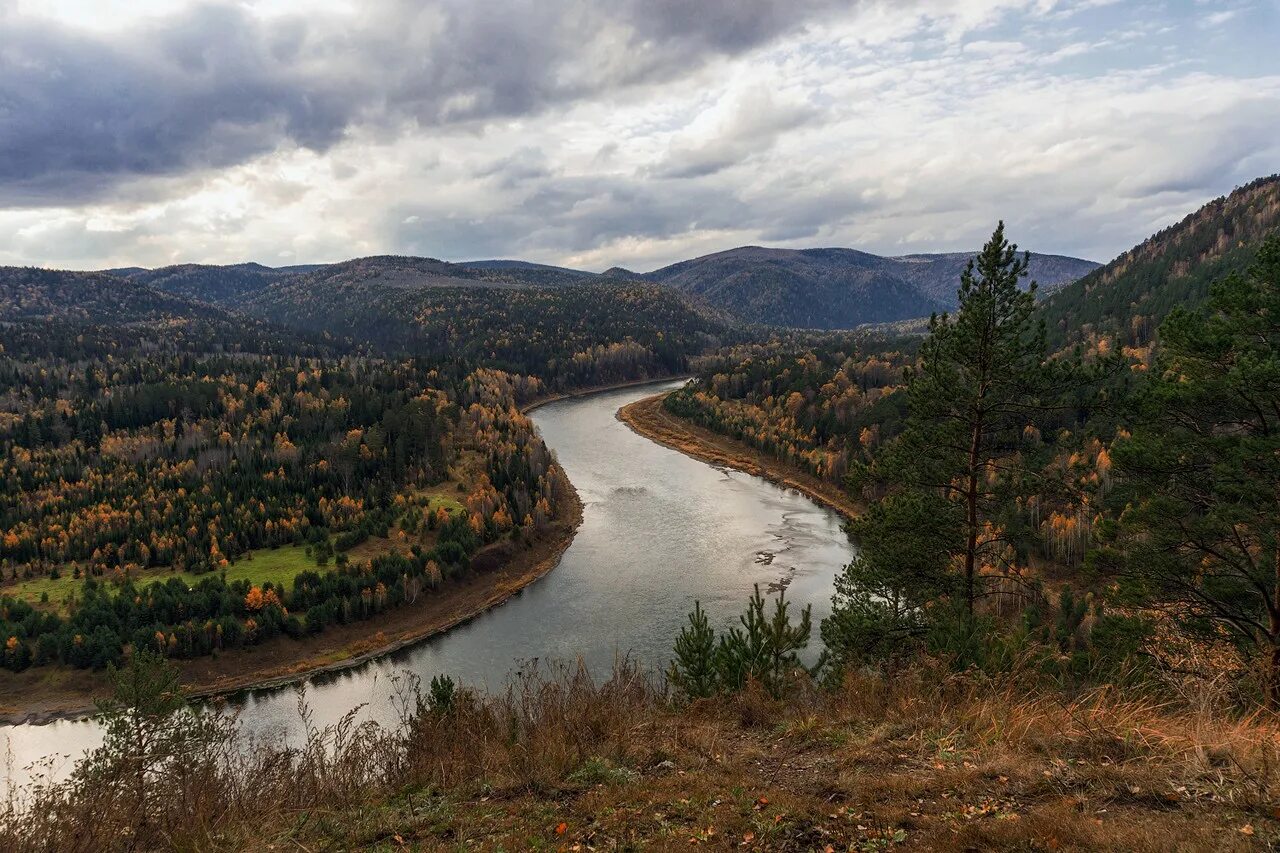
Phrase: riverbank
(539, 402)
(649, 418)
(62, 693)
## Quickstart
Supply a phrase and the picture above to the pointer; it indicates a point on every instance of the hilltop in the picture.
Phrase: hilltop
(836, 288)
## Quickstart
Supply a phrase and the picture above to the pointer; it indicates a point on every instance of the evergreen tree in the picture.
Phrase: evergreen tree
(1200, 537)
(880, 597)
(693, 671)
(764, 649)
(152, 738)
(956, 469)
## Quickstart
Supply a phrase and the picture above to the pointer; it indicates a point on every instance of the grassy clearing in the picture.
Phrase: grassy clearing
(917, 760)
(451, 504)
(278, 565)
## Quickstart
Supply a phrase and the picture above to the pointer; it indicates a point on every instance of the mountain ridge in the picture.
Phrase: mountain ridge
(821, 287)
(835, 287)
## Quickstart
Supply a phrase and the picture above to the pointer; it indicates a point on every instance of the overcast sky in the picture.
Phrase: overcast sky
(636, 132)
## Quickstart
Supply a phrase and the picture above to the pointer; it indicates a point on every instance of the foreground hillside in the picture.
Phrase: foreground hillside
(909, 759)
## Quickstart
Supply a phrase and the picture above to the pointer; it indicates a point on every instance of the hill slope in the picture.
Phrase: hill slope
(1129, 297)
(44, 311)
(835, 288)
(235, 285)
(569, 332)
(220, 285)
(938, 276)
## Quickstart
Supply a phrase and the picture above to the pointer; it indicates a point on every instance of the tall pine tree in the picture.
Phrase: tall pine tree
(1200, 535)
(946, 482)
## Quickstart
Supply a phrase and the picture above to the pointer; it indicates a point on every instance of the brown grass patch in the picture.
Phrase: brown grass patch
(915, 760)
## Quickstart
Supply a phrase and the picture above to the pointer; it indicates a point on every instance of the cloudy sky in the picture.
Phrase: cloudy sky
(634, 132)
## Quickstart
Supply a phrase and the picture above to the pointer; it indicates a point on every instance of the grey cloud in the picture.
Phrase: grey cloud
(567, 214)
(215, 86)
(524, 165)
(756, 124)
(203, 90)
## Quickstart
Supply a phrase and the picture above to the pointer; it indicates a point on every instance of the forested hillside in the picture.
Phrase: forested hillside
(1125, 301)
(571, 336)
(189, 478)
(139, 486)
(71, 315)
(220, 285)
(817, 401)
(835, 288)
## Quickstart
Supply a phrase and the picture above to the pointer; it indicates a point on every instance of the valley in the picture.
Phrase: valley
(397, 487)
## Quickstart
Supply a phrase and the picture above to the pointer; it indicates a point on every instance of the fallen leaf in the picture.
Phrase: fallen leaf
(1247, 829)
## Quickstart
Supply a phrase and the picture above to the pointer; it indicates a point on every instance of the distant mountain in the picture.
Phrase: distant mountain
(527, 265)
(504, 317)
(938, 276)
(236, 285)
(385, 271)
(1129, 297)
(43, 307)
(31, 294)
(219, 285)
(834, 288)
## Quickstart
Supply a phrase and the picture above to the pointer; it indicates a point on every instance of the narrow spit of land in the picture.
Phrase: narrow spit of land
(649, 418)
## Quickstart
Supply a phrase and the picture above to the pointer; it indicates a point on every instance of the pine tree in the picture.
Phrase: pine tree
(764, 649)
(693, 672)
(980, 380)
(1200, 536)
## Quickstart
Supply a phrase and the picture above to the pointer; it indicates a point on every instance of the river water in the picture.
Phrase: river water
(659, 530)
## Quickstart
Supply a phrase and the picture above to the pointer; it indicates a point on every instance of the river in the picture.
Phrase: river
(659, 530)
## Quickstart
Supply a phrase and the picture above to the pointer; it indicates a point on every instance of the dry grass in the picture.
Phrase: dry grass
(917, 760)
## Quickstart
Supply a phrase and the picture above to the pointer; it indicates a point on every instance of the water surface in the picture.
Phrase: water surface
(659, 530)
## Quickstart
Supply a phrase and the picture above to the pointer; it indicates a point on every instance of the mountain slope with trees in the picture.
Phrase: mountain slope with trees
(575, 335)
(1126, 300)
(834, 288)
(220, 285)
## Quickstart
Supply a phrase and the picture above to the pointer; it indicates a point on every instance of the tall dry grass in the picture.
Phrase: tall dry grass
(223, 791)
